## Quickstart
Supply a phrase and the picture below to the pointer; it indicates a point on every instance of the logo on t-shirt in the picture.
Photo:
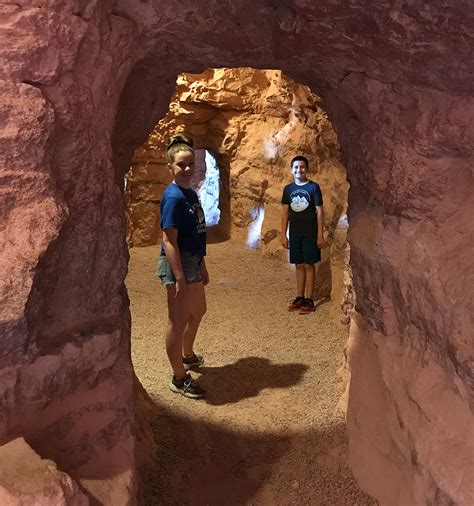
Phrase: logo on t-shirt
(300, 200)
(201, 219)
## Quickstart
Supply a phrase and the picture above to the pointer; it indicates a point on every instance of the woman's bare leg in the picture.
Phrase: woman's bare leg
(178, 314)
(197, 309)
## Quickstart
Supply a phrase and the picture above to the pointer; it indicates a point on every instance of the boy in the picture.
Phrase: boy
(303, 210)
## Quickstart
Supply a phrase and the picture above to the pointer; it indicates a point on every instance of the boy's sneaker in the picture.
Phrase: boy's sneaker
(307, 307)
(194, 361)
(296, 303)
(187, 387)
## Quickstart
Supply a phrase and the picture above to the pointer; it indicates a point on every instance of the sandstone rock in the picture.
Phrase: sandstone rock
(60, 303)
(86, 82)
(31, 213)
(27, 479)
(430, 429)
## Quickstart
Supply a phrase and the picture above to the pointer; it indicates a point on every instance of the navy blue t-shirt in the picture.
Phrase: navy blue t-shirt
(180, 209)
(302, 200)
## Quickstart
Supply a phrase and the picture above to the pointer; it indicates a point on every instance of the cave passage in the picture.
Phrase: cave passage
(83, 84)
(271, 427)
(269, 430)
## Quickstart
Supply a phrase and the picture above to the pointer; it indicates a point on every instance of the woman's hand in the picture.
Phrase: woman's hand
(180, 287)
(204, 273)
(284, 241)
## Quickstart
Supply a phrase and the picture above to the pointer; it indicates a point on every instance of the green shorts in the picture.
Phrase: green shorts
(191, 267)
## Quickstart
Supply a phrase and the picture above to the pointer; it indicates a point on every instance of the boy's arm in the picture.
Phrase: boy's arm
(284, 225)
(320, 218)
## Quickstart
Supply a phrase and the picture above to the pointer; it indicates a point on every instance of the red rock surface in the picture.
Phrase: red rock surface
(26, 478)
(396, 79)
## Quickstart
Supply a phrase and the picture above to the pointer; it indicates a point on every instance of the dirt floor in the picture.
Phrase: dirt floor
(269, 431)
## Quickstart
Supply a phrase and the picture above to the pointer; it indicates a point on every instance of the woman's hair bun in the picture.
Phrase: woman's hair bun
(177, 143)
(180, 139)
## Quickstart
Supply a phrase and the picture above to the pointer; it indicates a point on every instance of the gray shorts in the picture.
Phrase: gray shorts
(191, 267)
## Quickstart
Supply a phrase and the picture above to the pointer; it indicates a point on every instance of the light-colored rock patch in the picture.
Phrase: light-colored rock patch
(28, 480)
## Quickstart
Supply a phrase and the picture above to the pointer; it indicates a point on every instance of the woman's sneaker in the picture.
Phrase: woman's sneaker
(307, 307)
(296, 303)
(187, 387)
(194, 361)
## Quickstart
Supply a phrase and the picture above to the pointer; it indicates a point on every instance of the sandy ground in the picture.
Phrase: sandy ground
(269, 431)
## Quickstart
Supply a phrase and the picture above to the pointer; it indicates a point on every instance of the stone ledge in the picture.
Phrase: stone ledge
(27, 479)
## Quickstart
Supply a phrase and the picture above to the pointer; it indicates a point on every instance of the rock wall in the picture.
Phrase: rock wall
(84, 83)
(26, 478)
(254, 122)
(410, 353)
(65, 369)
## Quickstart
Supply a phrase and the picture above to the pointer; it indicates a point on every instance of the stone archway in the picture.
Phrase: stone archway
(254, 121)
(395, 80)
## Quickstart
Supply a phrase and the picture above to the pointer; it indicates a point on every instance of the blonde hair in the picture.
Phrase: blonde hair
(179, 142)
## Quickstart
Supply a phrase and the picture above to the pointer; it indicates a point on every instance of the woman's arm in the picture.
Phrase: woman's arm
(204, 273)
(170, 240)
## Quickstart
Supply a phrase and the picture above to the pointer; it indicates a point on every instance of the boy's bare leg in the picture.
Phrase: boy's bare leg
(178, 314)
(300, 279)
(197, 299)
(309, 270)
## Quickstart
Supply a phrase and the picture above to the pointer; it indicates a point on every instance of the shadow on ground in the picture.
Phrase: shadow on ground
(190, 462)
(247, 378)
(198, 463)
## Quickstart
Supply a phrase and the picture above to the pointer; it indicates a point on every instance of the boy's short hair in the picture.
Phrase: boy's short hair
(300, 158)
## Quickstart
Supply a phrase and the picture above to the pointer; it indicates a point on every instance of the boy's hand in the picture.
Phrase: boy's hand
(284, 241)
(320, 241)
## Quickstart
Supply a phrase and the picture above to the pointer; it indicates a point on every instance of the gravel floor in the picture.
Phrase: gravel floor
(268, 432)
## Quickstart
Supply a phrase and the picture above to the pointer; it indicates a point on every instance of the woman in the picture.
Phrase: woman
(182, 267)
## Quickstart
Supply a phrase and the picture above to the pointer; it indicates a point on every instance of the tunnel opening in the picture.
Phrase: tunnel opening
(247, 125)
(396, 81)
(206, 182)
(253, 122)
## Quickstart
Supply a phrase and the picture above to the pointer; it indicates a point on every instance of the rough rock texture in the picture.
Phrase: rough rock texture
(254, 122)
(65, 371)
(27, 479)
(95, 77)
(342, 290)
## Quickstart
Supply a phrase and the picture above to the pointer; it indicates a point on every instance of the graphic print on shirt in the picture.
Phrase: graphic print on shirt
(197, 210)
(300, 200)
